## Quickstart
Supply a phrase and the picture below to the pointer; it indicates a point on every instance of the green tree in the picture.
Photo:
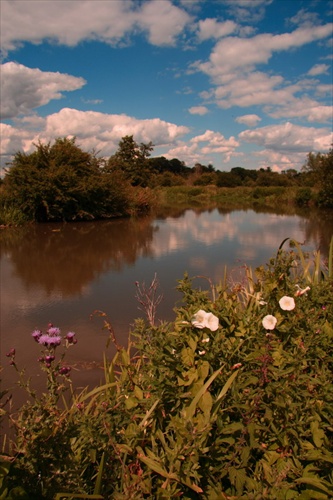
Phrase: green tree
(61, 182)
(132, 159)
(319, 168)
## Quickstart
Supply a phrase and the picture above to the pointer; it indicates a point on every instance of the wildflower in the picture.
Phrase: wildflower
(54, 341)
(53, 331)
(207, 339)
(287, 303)
(205, 320)
(269, 322)
(235, 366)
(70, 337)
(36, 334)
(201, 353)
(48, 341)
(301, 291)
(64, 370)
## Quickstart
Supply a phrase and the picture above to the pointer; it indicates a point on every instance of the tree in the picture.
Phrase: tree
(131, 158)
(61, 182)
(319, 167)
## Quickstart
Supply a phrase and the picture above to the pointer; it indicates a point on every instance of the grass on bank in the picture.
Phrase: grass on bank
(142, 200)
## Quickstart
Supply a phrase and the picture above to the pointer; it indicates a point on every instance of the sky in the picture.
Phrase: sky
(232, 83)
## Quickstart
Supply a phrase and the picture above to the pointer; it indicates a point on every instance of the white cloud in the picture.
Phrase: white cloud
(205, 148)
(232, 64)
(234, 53)
(288, 138)
(249, 120)
(107, 21)
(93, 130)
(163, 21)
(318, 69)
(211, 28)
(198, 110)
(303, 107)
(23, 89)
(279, 161)
(248, 10)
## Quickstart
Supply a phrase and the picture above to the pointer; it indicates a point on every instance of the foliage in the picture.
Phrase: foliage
(320, 170)
(216, 404)
(60, 182)
(131, 160)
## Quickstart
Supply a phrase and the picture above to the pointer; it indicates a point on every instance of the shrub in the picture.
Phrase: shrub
(233, 399)
(303, 196)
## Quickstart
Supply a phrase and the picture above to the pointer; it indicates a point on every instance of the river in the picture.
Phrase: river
(62, 273)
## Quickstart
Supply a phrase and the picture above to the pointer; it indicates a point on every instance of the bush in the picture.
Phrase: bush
(60, 182)
(303, 196)
(231, 400)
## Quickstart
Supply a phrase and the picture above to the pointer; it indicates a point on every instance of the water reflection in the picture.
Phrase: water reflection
(63, 272)
(65, 258)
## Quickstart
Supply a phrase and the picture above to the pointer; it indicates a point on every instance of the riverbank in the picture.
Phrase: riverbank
(141, 201)
(231, 399)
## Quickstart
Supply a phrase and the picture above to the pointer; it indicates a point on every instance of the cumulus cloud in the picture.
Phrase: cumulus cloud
(163, 21)
(232, 68)
(205, 148)
(303, 107)
(288, 138)
(198, 110)
(318, 69)
(248, 10)
(211, 28)
(249, 120)
(23, 89)
(106, 21)
(93, 130)
(234, 53)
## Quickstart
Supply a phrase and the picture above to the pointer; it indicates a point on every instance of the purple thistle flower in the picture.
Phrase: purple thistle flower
(70, 337)
(48, 341)
(54, 341)
(36, 334)
(44, 340)
(53, 331)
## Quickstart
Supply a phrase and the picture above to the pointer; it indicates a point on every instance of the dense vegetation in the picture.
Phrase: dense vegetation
(231, 400)
(60, 182)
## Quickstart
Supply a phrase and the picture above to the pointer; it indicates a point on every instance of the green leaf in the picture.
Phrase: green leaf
(317, 483)
(187, 356)
(131, 402)
(318, 434)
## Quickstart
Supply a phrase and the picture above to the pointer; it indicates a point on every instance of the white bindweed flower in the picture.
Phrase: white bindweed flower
(202, 319)
(198, 319)
(301, 291)
(201, 353)
(212, 322)
(287, 303)
(207, 339)
(269, 322)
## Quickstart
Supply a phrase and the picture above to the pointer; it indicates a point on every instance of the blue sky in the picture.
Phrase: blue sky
(228, 82)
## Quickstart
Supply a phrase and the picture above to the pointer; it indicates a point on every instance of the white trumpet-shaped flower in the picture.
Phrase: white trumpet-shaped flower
(287, 303)
(269, 322)
(202, 319)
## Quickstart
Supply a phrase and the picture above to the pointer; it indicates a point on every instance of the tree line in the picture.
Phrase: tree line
(61, 182)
